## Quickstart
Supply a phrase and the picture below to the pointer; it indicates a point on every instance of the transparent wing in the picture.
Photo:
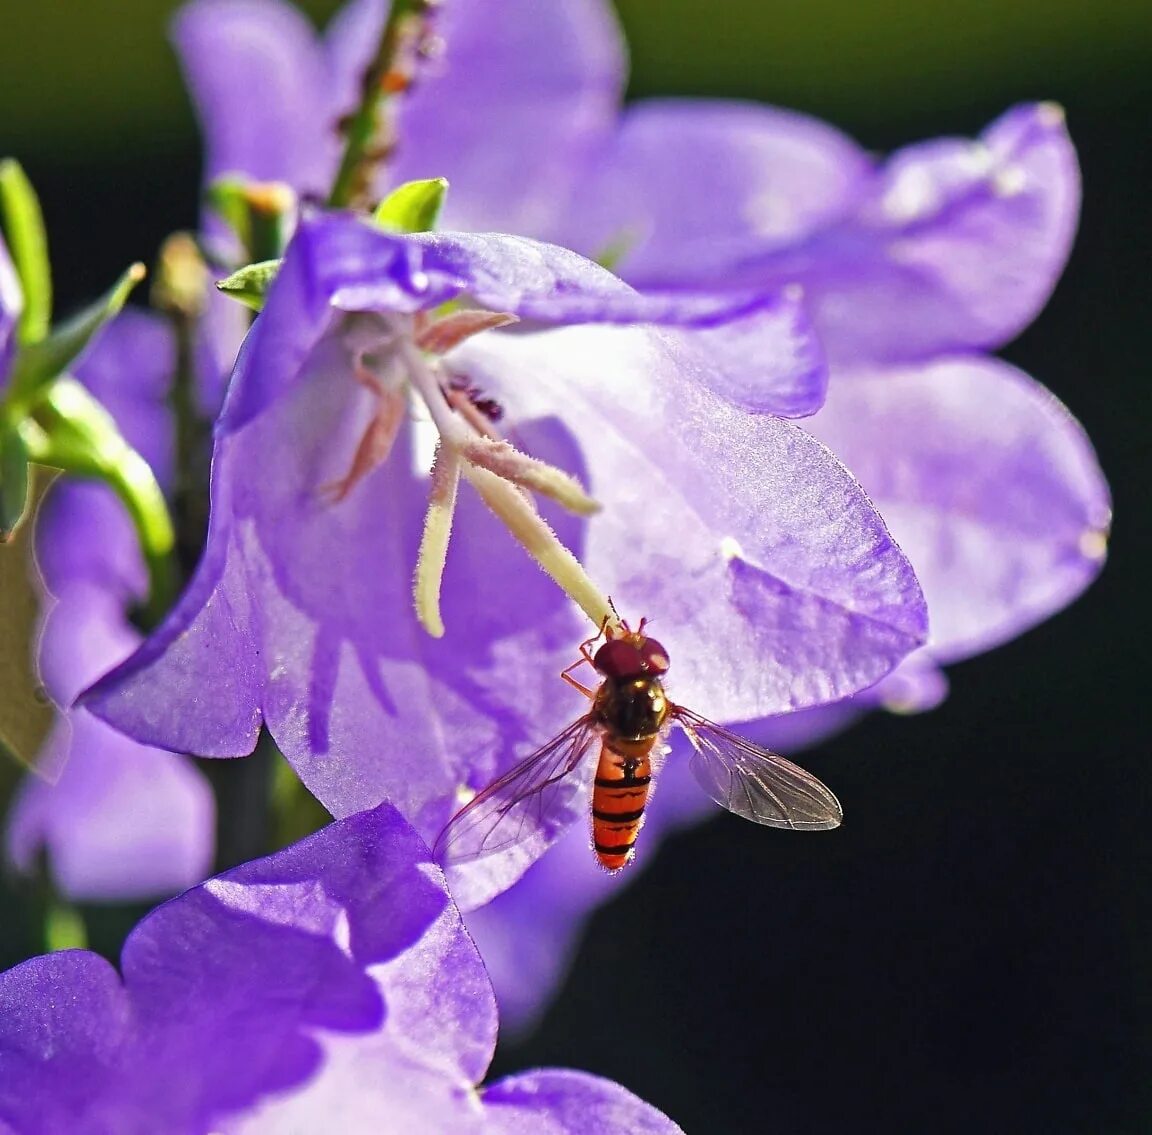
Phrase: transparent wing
(753, 782)
(533, 800)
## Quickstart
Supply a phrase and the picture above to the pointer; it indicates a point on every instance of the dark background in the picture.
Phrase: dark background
(971, 951)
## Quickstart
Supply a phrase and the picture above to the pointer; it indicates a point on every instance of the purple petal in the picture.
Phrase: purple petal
(562, 1102)
(751, 542)
(195, 688)
(545, 80)
(988, 483)
(219, 333)
(123, 822)
(769, 362)
(331, 985)
(959, 246)
(11, 306)
(259, 78)
(65, 1023)
(341, 261)
(917, 685)
(690, 185)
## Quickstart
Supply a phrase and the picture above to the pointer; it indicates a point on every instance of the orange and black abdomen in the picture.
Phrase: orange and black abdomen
(619, 796)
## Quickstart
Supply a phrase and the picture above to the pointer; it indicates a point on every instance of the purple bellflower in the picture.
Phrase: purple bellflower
(331, 986)
(734, 527)
(117, 820)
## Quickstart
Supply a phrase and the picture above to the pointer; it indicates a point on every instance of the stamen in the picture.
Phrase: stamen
(434, 542)
(502, 475)
(506, 461)
(541, 543)
(441, 335)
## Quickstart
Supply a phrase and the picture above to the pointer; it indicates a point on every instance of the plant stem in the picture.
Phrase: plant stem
(387, 75)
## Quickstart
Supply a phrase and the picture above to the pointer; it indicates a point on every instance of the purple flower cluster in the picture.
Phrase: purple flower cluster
(934, 503)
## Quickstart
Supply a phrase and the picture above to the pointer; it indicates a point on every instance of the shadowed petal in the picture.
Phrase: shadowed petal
(989, 485)
(117, 819)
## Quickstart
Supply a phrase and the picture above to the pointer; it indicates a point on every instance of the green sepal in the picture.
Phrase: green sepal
(69, 430)
(250, 284)
(13, 480)
(40, 363)
(28, 244)
(260, 213)
(413, 207)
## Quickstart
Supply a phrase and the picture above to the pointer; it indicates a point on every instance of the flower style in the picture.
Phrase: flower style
(750, 539)
(329, 985)
(118, 820)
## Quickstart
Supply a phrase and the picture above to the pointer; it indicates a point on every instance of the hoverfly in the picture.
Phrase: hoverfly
(629, 717)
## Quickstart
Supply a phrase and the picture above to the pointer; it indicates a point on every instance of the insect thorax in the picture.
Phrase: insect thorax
(631, 708)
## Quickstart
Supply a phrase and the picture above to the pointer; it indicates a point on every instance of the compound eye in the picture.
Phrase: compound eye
(619, 659)
(654, 657)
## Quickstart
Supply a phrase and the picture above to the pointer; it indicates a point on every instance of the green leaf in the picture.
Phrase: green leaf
(70, 430)
(13, 481)
(28, 243)
(250, 284)
(42, 362)
(26, 712)
(413, 207)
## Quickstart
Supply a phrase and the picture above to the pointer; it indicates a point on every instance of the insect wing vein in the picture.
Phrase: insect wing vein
(521, 804)
(753, 782)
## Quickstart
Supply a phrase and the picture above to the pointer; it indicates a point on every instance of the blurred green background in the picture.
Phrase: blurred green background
(95, 75)
(972, 952)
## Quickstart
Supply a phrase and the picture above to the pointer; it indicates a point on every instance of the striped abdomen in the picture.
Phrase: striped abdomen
(619, 796)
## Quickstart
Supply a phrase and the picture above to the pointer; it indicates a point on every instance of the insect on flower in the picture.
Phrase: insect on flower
(629, 718)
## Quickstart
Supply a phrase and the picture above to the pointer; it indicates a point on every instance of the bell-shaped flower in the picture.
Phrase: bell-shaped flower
(777, 582)
(331, 986)
(116, 819)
